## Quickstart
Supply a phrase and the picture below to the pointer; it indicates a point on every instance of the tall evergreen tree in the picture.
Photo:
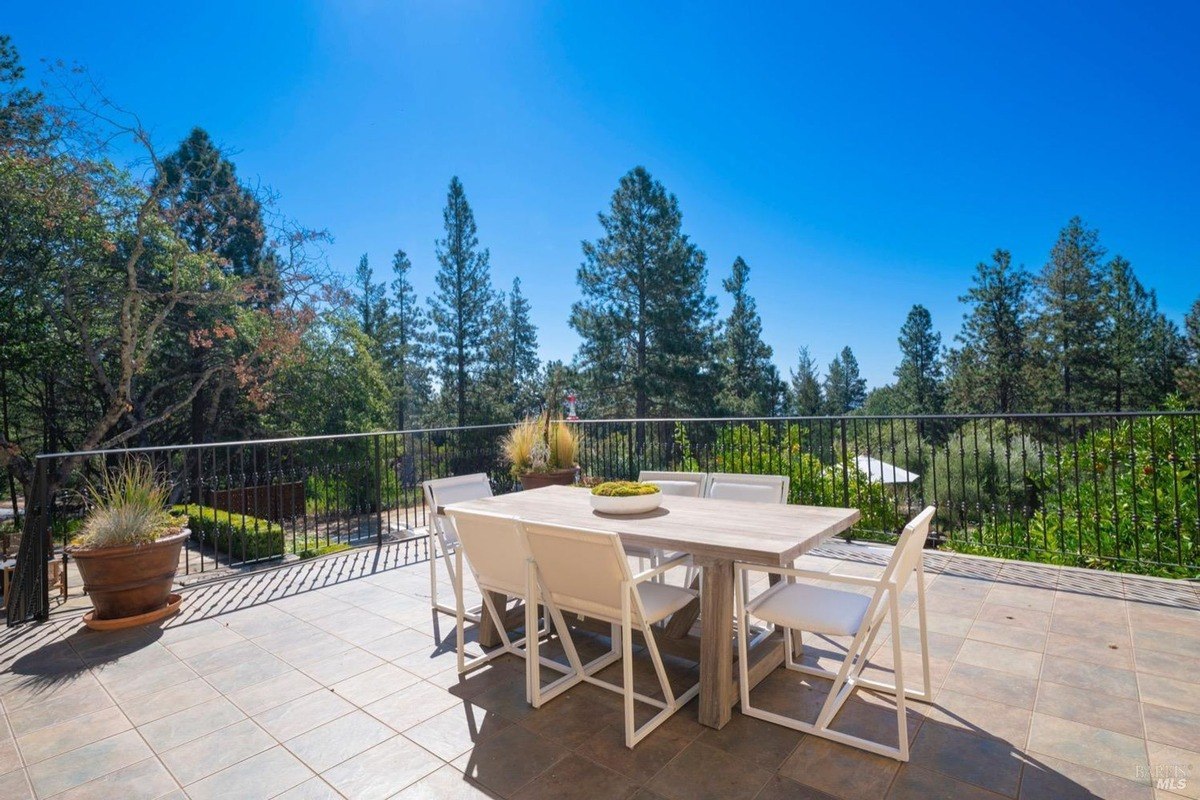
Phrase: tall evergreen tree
(806, 387)
(919, 376)
(406, 346)
(370, 302)
(521, 356)
(1071, 320)
(749, 382)
(845, 388)
(645, 319)
(989, 372)
(461, 308)
(1188, 373)
(1142, 346)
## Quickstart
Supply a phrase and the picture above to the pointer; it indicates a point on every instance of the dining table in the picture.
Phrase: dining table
(716, 533)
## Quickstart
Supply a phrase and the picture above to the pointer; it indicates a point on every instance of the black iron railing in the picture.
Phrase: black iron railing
(1116, 491)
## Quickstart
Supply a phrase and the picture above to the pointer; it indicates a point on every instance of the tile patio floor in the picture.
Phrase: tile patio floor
(328, 679)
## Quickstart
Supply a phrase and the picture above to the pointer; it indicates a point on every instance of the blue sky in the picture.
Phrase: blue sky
(860, 160)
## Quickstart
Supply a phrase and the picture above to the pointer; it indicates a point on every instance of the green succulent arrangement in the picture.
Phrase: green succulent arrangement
(624, 489)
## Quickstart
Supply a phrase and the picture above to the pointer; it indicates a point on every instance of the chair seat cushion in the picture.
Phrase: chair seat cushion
(800, 606)
(680, 488)
(661, 600)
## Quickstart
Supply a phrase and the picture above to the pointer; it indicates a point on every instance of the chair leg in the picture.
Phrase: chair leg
(627, 663)
(898, 658)
(433, 557)
(459, 619)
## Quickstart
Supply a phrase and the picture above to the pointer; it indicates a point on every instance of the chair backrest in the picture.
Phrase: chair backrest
(683, 484)
(495, 549)
(441, 492)
(748, 488)
(581, 570)
(909, 549)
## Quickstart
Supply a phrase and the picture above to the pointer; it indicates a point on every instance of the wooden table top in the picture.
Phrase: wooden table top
(760, 533)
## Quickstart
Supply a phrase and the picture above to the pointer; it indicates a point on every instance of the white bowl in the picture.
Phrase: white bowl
(637, 504)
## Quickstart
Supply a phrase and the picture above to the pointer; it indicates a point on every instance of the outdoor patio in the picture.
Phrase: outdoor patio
(330, 678)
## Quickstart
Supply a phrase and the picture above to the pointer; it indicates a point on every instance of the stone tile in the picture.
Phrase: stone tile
(145, 780)
(1086, 745)
(446, 783)
(983, 761)
(150, 707)
(192, 723)
(754, 741)
(1046, 778)
(1009, 635)
(1090, 707)
(578, 778)
(1156, 662)
(223, 748)
(571, 718)
(987, 718)
(10, 757)
(374, 684)
(840, 770)
(417, 703)
(490, 764)
(272, 692)
(607, 747)
(399, 644)
(1082, 675)
(780, 788)
(332, 743)
(239, 676)
(311, 789)
(267, 774)
(1162, 691)
(916, 783)
(204, 643)
(456, 730)
(990, 684)
(59, 708)
(341, 666)
(1184, 643)
(1013, 617)
(48, 742)
(86, 763)
(15, 786)
(383, 770)
(302, 714)
(702, 772)
(1171, 726)
(999, 657)
(1111, 651)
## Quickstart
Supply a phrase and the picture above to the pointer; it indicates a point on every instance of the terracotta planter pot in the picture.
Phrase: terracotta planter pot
(130, 580)
(555, 477)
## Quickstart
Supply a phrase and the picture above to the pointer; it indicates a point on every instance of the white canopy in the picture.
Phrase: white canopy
(882, 472)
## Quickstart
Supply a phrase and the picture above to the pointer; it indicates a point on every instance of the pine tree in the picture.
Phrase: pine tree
(1188, 373)
(990, 371)
(370, 301)
(749, 382)
(1071, 323)
(1142, 348)
(806, 387)
(919, 376)
(406, 346)
(845, 388)
(645, 319)
(521, 355)
(461, 309)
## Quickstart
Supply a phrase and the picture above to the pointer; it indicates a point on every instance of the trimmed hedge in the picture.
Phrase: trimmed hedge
(324, 550)
(238, 536)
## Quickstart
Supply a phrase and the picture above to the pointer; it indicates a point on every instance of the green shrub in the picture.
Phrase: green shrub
(324, 550)
(239, 536)
(625, 489)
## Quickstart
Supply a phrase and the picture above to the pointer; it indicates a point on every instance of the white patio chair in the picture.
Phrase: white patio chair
(498, 559)
(799, 607)
(443, 539)
(748, 488)
(683, 484)
(587, 572)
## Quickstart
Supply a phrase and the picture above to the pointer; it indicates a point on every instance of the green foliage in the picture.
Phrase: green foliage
(645, 319)
(239, 536)
(749, 384)
(845, 389)
(405, 348)
(324, 550)
(806, 400)
(919, 376)
(624, 489)
(1188, 373)
(128, 507)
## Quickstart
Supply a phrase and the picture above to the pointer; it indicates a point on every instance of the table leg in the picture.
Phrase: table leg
(716, 643)
(488, 635)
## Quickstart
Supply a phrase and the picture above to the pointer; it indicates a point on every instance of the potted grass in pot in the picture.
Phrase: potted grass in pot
(542, 452)
(128, 548)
